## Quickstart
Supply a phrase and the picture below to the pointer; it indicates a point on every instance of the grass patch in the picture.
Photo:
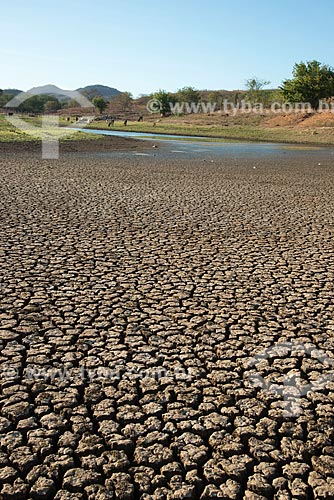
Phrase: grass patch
(10, 133)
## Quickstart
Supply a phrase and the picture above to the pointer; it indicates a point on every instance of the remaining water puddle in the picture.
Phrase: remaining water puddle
(192, 147)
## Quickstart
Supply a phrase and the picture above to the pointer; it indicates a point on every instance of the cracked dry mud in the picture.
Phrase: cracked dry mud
(133, 293)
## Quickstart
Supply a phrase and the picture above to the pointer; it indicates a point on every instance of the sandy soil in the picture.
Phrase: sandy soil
(141, 307)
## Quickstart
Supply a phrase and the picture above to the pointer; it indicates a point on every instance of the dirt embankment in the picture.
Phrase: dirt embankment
(323, 119)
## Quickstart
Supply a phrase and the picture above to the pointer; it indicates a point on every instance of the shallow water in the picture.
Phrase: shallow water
(201, 147)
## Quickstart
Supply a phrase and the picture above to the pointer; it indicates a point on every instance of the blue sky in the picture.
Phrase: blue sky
(144, 45)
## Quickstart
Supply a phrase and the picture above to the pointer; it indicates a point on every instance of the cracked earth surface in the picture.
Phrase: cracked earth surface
(134, 293)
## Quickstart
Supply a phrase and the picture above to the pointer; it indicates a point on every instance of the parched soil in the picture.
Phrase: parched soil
(141, 307)
(103, 144)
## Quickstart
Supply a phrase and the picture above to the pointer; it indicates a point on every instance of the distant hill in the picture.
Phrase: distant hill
(63, 96)
(92, 91)
(51, 90)
(12, 92)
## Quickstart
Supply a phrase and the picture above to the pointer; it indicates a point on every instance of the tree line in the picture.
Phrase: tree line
(311, 82)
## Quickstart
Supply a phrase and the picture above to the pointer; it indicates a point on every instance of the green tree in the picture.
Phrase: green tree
(72, 103)
(254, 88)
(100, 104)
(215, 97)
(164, 99)
(188, 94)
(34, 104)
(124, 100)
(236, 98)
(4, 98)
(311, 82)
(274, 95)
(51, 105)
(37, 104)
